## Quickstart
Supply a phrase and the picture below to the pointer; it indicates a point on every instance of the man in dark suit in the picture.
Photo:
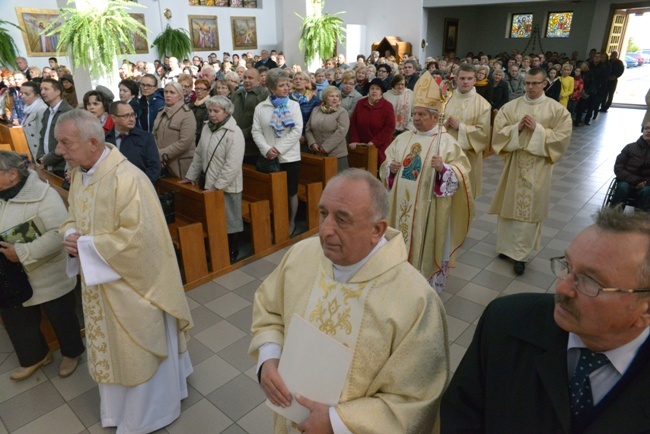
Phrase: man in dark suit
(527, 368)
(266, 61)
(138, 146)
(52, 94)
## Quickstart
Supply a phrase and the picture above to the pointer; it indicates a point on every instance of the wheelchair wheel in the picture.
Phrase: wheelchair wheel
(610, 194)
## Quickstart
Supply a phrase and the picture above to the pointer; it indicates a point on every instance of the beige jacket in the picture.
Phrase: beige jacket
(175, 133)
(49, 279)
(329, 131)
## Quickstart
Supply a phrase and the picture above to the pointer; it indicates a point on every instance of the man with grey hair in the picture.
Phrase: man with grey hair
(574, 362)
(427, 174)
(265, 60)
(397, 332)
(136, 315)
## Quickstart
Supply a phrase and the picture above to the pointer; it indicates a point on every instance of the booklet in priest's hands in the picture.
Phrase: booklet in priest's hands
(313, 365)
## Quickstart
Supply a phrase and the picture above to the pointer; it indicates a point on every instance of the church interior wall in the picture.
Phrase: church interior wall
(265, 21)
(487, 28)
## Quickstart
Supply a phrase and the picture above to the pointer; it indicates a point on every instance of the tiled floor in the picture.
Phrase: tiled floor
(224, 396)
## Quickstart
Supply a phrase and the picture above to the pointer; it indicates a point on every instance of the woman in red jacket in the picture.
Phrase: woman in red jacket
(373, 121)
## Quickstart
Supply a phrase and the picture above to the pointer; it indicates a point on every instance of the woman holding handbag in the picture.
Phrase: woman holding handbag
(24, 198)
(217, 164)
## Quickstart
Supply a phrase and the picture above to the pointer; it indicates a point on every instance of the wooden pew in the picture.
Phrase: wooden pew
(258, 215)
(56, 182)
(13, 139)
(315, 172)
(364, 157)
(193, 205)
(260, 186)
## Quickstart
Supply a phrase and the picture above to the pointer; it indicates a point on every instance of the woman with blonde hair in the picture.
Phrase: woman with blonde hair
(175, 131)
(327, 128)
(482, 85)
(277, 128)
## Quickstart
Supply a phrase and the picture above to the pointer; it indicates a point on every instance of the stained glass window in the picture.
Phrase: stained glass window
(522, 26)
(559, 24)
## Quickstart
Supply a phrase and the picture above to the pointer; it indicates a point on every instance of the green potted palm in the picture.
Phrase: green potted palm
(8, 48)
(173, 42)
(93, 37)
(319, 35)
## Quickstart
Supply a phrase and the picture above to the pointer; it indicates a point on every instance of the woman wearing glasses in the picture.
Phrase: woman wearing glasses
(202, 91)
(151, 101)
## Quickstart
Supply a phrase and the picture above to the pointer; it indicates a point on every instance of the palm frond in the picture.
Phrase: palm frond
(94, 38)
(173, 42)
(8, 49)
(319, 35)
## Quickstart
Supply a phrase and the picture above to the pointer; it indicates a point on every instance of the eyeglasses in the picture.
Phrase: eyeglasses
(585, 284)
(532, 83)
(186, 86)
(126, 115)
(147, 86)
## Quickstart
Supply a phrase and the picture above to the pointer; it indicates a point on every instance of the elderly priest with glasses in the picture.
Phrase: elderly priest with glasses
(574, 362)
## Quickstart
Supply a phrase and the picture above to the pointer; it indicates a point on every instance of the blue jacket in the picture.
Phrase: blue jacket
(155, 103)
(139, 147)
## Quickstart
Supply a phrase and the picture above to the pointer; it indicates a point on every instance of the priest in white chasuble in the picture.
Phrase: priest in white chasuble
(468, 121)
(532, 133)
(136, 314)
(427, 174)
(356, 286)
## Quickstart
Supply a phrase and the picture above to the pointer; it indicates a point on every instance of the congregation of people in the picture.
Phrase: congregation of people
(387, 241)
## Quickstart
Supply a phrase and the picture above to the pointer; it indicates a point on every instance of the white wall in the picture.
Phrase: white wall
(383, 18)
(265, 18)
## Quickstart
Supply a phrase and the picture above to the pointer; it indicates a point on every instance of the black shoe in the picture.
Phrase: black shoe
(595, 116)
(502, 256)
(603, 110)
(233, 256)
(520, 267)
(587, 123)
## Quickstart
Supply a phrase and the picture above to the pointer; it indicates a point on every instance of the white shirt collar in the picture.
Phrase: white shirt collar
(56, 107)
(621, 357)
(343, 273)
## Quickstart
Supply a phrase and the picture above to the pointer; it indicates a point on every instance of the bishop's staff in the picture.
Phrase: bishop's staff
(445, 95)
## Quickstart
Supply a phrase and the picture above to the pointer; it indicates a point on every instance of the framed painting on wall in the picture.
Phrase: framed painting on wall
(139, 43)
(244, 33)
(33, 21)
(204, 32)
(450, 44)
(250, 3)
(236, 3)
(208, 2)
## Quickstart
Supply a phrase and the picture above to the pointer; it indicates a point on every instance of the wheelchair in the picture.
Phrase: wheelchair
(631, 200)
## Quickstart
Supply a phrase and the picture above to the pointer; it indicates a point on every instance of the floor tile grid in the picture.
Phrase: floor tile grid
(223, 392)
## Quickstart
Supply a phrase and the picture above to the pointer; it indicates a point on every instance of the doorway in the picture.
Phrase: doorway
(630, 36)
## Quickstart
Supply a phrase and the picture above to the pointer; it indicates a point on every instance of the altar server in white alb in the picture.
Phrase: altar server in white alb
(136, 315)
(532, 133)
(468, 121)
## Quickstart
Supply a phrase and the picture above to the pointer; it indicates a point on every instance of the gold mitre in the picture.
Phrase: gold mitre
(427, 92)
